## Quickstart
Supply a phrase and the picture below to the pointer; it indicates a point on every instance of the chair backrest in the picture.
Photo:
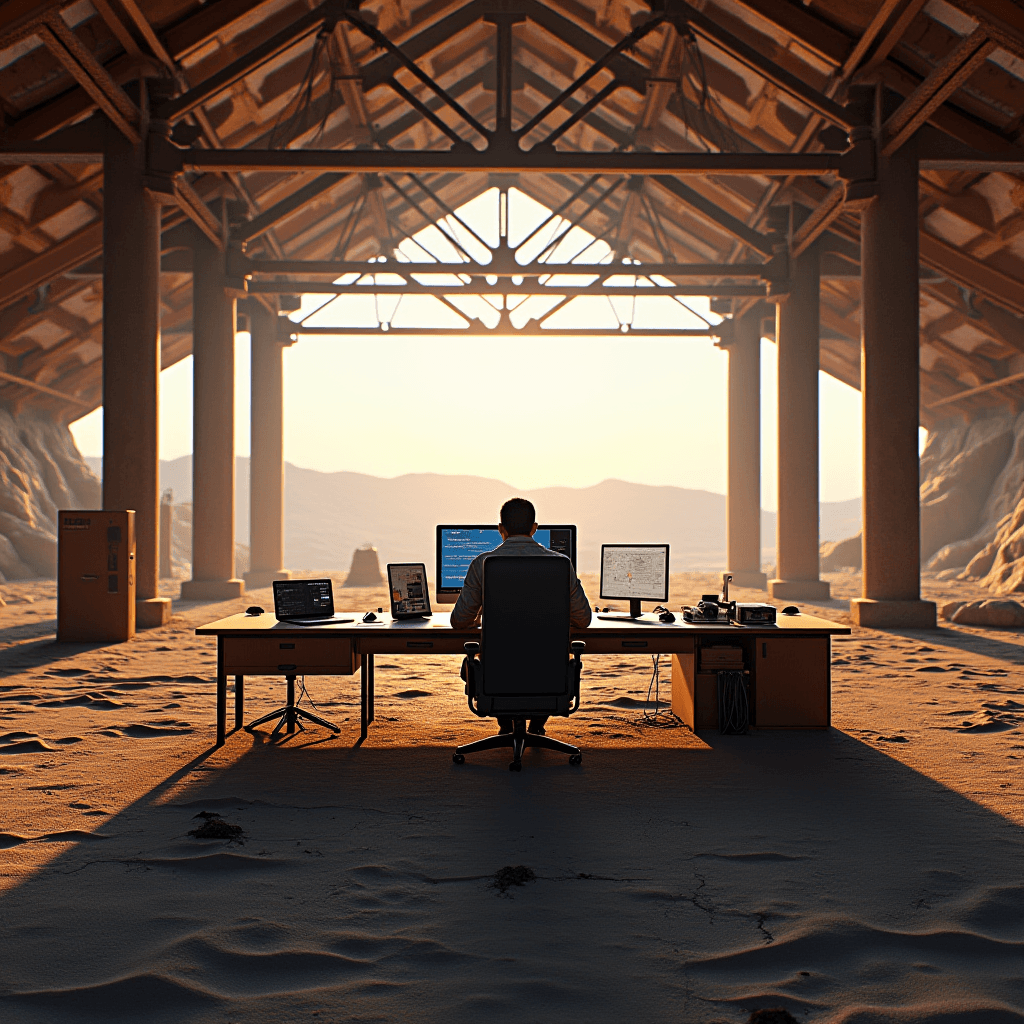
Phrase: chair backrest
(525, 634)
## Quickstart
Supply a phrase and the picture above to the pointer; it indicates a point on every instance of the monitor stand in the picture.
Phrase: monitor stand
(633, 613)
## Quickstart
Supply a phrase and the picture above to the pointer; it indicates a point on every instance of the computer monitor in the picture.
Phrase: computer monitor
(634, 573)
(457, 546)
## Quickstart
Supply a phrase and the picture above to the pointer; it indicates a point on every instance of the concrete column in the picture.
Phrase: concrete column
(743, 503)
(213, 433)
(266, 459)
(889, 390)
(797, 336)
(131, 362)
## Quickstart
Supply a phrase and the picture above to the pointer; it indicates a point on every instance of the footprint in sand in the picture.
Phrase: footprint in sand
(166, 727)
(90, 700)
(26, 747)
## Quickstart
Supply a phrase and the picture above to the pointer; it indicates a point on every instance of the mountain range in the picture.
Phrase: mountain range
(328, 515)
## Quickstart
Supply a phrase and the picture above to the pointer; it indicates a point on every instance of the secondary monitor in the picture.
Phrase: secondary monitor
(634, 573)
(410, 598)
(457, 546)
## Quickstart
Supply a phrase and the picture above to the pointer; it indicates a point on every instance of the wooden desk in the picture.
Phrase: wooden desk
(789, 663)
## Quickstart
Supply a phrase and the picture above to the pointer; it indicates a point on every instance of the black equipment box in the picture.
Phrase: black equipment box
(754, 614)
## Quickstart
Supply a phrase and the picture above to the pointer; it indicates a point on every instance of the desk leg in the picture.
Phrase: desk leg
(370, 687)
(364, 700)
(222, 693)
(239, 700)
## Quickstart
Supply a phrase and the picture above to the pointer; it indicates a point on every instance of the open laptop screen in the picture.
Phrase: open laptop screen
(303, 599)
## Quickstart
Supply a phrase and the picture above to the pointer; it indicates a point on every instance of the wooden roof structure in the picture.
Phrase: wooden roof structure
(394, 77)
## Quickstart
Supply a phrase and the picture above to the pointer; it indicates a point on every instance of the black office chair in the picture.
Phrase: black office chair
(525, 670)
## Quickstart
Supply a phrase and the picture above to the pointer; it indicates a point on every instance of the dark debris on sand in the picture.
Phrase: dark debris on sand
(775, 1016)
(506, 877)
(215, 827)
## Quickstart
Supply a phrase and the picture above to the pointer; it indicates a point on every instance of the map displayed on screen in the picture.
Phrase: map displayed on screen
(634, 571)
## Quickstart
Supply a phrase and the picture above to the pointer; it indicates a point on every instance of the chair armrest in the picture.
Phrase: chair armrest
(471, 648)
(577, 647)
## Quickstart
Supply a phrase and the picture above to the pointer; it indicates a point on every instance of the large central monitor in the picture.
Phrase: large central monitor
(457, 546)
(634, 573)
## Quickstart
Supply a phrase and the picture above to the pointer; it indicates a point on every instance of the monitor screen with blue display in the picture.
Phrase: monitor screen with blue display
(457, 546)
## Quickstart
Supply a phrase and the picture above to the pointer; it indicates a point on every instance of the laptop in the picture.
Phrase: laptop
(305, 602)
(407, 582)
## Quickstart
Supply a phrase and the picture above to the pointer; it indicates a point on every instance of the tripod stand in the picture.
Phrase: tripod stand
(291, 716)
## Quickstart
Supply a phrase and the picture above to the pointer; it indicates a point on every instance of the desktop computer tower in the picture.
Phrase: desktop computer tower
(95, 576)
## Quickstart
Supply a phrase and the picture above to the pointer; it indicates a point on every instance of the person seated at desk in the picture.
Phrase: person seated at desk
(517, 527)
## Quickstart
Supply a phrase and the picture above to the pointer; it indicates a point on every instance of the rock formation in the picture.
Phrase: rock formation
(1002, 613)
(41, 471)
(972, 503)
(365, 569)
(841, 554)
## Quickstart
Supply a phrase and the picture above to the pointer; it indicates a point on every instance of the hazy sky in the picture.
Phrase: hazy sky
(533, 412)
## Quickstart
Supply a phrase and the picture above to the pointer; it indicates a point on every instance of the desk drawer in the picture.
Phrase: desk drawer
(434, 642)
(597, 644)
(272, 656)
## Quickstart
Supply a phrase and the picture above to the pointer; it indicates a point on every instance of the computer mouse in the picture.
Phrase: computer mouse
(791, 609)
(254, 609)
(369, 617)
(667, 617)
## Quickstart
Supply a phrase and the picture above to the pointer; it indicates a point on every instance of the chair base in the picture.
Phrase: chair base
(291, 716)
(518, 739)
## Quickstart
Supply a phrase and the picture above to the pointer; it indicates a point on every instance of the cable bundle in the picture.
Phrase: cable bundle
(660, 718)
(733, 703)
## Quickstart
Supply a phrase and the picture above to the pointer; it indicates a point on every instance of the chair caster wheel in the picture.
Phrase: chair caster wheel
(575, 759)
(516, 766)
(459, 758)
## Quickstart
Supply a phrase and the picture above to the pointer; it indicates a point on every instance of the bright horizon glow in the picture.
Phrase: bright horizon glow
(531, 411)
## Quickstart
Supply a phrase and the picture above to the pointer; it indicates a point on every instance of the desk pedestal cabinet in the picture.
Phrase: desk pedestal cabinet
(789, 678)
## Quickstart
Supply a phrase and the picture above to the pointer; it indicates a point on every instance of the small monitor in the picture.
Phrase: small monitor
(634, 573)
(457, 546)
(410, 598)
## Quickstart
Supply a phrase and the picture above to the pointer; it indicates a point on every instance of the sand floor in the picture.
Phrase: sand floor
(868, 873)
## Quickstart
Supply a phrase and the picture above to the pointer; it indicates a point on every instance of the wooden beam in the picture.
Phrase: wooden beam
(91, 76)
(63, 256)
(995, 385)
(910, 11)
(803, 24)
(819, 220)
(31, 385)
(1001, 288)
(189, 34)
(945, 79)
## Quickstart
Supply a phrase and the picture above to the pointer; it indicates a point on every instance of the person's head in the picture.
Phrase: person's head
(518, 518)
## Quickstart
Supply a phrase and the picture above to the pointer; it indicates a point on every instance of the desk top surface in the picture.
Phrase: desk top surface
(255, 625)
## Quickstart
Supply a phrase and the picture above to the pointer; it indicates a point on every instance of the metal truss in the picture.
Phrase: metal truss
(502, 149)
(289, 332)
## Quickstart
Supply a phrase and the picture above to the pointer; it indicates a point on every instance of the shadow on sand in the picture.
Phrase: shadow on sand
(806, 870)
